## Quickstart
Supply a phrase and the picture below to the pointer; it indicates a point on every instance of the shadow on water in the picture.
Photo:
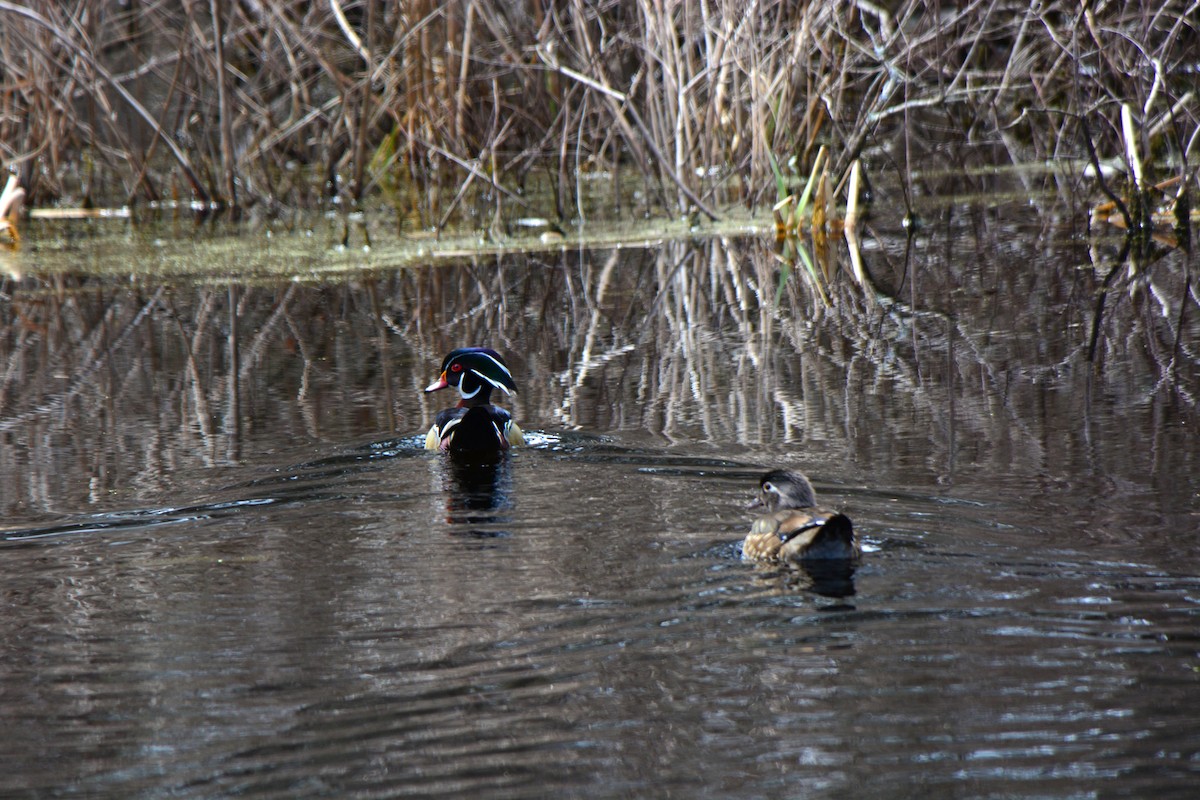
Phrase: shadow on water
(231, 568)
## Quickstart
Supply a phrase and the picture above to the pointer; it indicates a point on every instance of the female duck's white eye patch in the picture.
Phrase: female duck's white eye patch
(770, 487)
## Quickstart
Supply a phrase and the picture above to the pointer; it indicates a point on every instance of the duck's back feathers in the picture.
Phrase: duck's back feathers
(801, 534)
(473, 429)
(808, 537)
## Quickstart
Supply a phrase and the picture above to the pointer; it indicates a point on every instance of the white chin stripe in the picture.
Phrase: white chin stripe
(468, 395)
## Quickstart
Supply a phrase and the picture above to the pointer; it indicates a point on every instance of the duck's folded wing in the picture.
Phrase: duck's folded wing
(817, 534)
(443, 425)
(513, 433)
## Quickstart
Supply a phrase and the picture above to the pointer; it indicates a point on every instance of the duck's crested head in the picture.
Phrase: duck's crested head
(474, 371)
(782, 488)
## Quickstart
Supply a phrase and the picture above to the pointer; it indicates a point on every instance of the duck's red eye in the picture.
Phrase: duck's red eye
(456, 367)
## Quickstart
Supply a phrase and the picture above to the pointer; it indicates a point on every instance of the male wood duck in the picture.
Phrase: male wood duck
(474, 424)
(795, 529)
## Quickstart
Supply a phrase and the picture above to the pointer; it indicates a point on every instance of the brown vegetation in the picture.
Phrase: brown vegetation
(445, 108)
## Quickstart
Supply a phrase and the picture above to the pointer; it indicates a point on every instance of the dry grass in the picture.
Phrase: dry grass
(446, 110)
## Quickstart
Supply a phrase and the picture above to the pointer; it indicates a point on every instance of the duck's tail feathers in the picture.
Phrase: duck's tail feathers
(837, 528)
(834, 539)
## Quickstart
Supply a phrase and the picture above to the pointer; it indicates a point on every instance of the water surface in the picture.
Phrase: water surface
(230, 568)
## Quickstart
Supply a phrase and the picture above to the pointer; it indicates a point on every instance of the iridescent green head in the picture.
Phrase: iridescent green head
(475, 372)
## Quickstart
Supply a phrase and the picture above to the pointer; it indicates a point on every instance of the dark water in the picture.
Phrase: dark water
(229, 568)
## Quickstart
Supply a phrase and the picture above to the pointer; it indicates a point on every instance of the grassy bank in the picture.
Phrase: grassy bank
(444, 109)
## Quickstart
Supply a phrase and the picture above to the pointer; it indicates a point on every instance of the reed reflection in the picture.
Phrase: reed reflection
(950, 360)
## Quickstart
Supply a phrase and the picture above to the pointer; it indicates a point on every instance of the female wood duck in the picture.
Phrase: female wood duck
(795, 529)
(474, 424)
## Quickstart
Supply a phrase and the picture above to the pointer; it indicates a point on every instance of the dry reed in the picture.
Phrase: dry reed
(444, 110)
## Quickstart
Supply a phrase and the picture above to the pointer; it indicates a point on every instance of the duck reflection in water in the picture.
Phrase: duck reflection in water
(478, 489)
(826, 578)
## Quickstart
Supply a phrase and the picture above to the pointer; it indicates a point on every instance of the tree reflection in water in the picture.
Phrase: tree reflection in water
(971, 338)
